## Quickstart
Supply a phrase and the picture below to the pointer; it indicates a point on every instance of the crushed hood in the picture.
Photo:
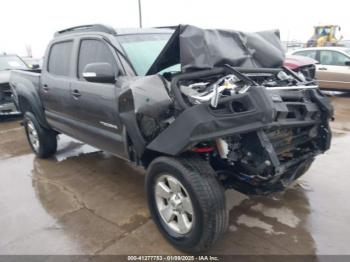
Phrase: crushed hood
(195, 48)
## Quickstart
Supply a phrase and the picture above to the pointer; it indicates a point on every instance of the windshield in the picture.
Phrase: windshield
(323, 31)
(143, 49)
(11, 62)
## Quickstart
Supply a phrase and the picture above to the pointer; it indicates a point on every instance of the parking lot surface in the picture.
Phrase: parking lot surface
(84, 201)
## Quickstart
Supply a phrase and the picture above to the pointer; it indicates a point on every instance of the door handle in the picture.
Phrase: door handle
(45, 88)
(323, 68)
(76, 93)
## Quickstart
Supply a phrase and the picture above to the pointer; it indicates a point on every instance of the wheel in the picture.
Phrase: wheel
(187, 202)
(42, 141)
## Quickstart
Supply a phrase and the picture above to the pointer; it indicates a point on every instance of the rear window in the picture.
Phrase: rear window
(59, 58)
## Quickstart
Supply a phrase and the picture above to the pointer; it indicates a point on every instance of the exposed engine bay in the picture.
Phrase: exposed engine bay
(229, 85)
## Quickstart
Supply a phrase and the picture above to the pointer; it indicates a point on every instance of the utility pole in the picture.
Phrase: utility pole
(29, 50)
(140, 14)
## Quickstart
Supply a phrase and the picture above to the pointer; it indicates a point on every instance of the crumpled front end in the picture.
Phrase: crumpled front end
(259, 137)
(258, 123)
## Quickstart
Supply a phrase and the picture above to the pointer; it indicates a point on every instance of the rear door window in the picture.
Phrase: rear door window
(94, 51)
(60, 58)
(328, 57)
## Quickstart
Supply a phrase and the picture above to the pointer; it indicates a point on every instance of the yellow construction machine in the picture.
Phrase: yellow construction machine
(325, 35)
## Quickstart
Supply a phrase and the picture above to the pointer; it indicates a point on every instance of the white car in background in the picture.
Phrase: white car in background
(333, 69)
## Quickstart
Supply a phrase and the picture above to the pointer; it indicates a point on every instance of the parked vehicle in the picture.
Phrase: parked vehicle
(194, 107)
(333, 69)
(33, 63)
(8, 63)
(304, 66)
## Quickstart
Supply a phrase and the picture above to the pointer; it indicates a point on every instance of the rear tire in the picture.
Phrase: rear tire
(196, 183)
(42, 141)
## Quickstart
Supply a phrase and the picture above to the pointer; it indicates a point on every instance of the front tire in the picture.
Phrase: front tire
(42, 141)
(187, 202)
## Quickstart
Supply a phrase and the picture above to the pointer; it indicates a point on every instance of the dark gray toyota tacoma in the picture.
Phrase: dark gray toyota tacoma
(201, 110)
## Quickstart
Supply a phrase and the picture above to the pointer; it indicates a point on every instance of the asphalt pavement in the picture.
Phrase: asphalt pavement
(84, 201)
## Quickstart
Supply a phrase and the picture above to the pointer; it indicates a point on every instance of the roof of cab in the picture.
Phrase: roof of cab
(132, 31)
(113, 31)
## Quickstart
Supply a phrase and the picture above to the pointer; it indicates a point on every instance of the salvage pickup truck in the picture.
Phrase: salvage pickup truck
(202, 110)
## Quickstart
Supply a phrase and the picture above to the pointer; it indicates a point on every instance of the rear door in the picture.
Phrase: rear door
(95, 104)
(55, 86)
(332, 72)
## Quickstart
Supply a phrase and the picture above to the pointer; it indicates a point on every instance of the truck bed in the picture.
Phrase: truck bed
(25, 81)
(22, 75)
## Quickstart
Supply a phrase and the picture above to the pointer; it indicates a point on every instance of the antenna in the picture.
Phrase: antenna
(140, 14)
(29, 50)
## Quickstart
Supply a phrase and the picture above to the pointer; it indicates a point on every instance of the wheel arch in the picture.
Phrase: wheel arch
(27, 103)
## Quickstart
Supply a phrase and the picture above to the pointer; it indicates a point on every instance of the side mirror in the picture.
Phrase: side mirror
(35, 66)
(347, 63)
(99, 73)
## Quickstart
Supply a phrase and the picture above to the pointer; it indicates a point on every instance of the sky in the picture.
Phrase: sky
(33, 23)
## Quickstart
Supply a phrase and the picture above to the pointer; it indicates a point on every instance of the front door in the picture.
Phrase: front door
(96, 103)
